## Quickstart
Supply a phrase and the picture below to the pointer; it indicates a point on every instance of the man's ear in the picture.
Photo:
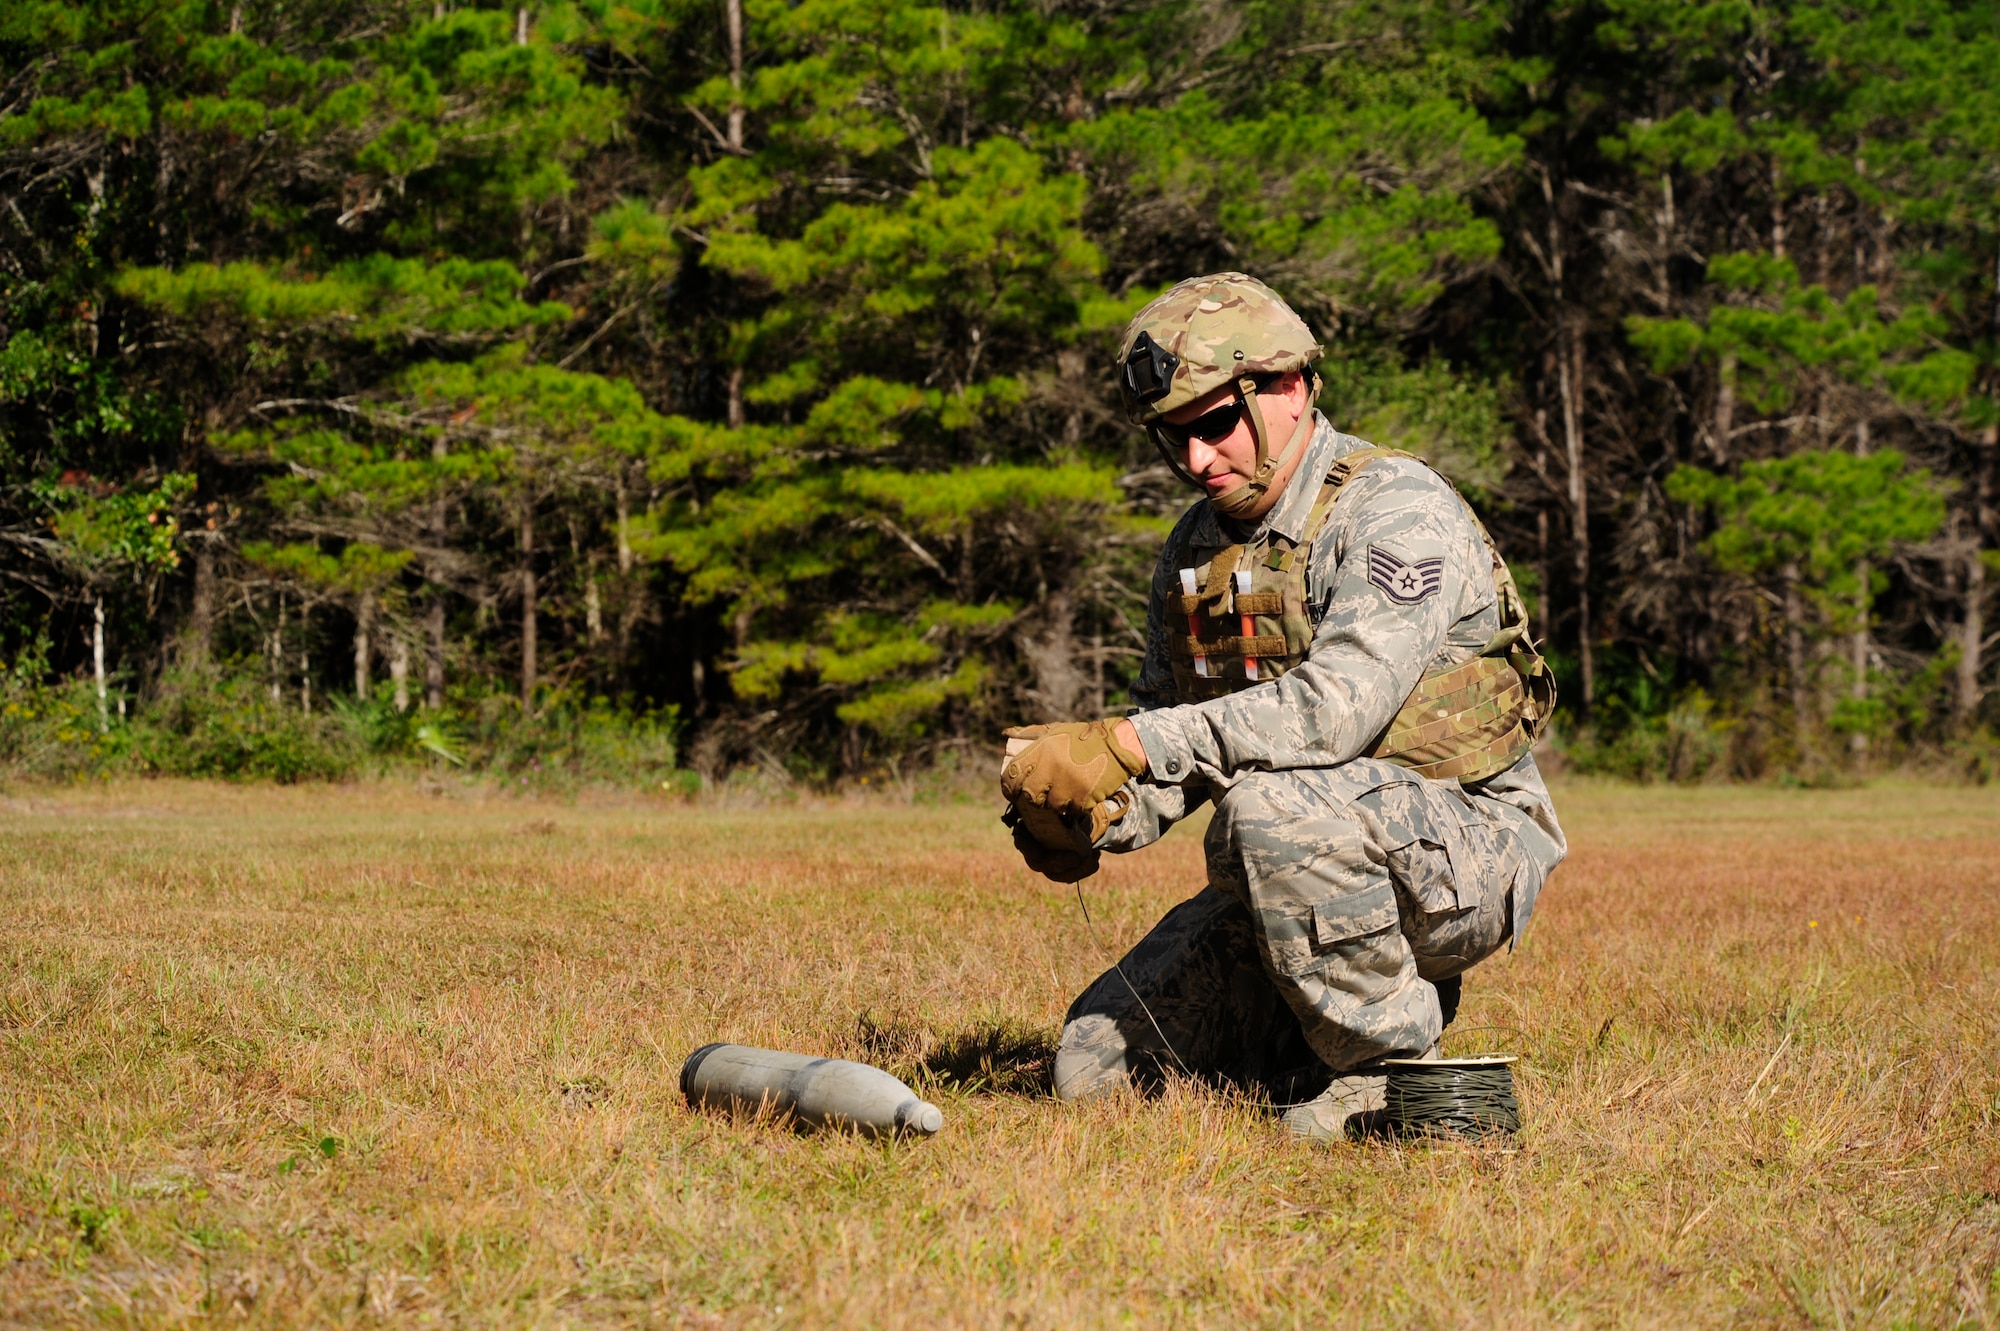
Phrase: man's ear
(1298, 391)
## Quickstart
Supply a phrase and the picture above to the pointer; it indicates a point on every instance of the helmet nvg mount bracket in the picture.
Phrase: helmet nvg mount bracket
(1149, 369)
(1224, 330)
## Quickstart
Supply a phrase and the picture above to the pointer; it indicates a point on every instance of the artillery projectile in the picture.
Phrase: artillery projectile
(818, 1092)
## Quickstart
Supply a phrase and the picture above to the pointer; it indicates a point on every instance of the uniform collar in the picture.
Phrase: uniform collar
(1288, 519)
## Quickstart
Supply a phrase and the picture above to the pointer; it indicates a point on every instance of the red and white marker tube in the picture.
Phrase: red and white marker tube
(1248, 623)
(1189, 587)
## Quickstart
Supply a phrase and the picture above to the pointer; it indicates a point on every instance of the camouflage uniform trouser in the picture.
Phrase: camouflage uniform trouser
(1339, 902)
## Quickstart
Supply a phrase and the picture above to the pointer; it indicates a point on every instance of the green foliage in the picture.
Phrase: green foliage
(1364, 206)
(359, 567)
(1453, 421)
(48, 729)
(227, 725)
(131, 530)
(1790, 329)
(1816, 514)
(378, 299)
(1646, 738)
(224, 724)
(536, 349)
(569, 741)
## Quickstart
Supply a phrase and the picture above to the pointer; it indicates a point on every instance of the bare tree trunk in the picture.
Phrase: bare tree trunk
(434, 607)
(1857, 650)
(1779, 230)
(629, 604)
(1097, 674)
(1569, 387)
(624, 527)
(364, 648)
(521, 27)
(276, 651)
(593, 606)
(733, 20)
(1971, 640)
(1059, 684)
(1073, 375)
(434, 652)
(1795, 651)
(1663, 287)
(399, 672)
(733, 16)
(1857, 643)
(197, 642)
(1542, 565)
(1570, 383)
(528, 605)
(1725, 408)
(1972, 623)
(97, 665)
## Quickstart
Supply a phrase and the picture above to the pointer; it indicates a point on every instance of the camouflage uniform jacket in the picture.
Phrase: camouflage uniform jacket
(1369, 648)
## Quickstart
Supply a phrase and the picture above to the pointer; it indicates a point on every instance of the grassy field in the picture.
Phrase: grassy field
(364, 1056)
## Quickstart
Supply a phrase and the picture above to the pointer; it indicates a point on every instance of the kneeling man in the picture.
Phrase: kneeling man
(1338, 658)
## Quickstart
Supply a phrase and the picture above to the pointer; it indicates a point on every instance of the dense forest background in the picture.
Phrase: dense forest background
(615, 389)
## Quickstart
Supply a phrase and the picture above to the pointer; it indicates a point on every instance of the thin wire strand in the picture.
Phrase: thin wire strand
(1133, 989)
(1102, 950)
(1454, 1032)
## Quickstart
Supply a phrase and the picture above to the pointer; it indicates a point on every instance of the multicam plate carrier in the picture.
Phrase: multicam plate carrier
(1466, 722)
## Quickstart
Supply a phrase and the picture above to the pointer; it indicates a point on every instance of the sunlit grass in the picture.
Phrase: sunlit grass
(359, 1055)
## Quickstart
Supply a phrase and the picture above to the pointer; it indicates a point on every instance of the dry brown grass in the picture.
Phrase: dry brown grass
(357, 1055)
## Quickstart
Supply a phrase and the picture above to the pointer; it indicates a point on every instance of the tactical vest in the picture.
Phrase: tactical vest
(1468, 721)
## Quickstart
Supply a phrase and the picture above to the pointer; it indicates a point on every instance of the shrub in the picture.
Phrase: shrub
(1685, 742)
(50, 729)
(215, 724)
(570, 740)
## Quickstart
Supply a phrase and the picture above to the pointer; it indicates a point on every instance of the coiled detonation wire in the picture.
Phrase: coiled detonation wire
(1458, 1098)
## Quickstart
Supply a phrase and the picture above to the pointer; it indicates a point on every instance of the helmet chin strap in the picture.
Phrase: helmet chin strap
(1238, 502)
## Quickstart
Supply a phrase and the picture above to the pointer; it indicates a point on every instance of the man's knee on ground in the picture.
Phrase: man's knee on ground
(1092, 1059)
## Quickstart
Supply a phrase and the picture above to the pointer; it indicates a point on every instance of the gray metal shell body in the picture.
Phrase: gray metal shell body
(816, 1092)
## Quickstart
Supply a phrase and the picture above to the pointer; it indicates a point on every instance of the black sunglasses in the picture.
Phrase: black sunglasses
(1216, 423)
(1207, 427)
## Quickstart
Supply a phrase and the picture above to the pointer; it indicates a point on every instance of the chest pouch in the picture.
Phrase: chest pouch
(1219, 634)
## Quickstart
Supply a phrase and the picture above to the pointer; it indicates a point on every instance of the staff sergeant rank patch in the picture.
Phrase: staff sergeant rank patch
(1406, 582)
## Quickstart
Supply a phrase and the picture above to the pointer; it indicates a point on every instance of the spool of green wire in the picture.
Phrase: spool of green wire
(1452, 1097)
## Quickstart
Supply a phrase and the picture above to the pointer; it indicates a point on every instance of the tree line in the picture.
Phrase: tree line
(746, 366)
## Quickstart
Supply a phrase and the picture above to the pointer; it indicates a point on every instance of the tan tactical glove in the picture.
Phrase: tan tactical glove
(1070, 768)
(1047, 847)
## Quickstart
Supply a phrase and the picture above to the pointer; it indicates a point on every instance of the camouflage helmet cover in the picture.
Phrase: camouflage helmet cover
(1204, 334)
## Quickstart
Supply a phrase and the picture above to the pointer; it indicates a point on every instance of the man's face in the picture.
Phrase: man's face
(1228, 460)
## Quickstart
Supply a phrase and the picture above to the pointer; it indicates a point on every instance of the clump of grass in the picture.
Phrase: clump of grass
(347, 1055)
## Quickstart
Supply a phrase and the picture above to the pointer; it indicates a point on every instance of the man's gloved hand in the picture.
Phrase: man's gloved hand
(1047, 846)
(1070, 767)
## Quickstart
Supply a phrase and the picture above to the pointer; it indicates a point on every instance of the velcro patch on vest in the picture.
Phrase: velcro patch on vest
(1404, 581)
(1260, 603)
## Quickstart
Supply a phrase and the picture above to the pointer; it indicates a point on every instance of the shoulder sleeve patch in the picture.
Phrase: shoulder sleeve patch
(1404, 581)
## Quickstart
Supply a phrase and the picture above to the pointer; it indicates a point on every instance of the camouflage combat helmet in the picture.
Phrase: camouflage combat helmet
(1224, 330)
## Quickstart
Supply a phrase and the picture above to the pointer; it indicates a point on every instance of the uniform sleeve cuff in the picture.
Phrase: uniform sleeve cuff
(1169, 757)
